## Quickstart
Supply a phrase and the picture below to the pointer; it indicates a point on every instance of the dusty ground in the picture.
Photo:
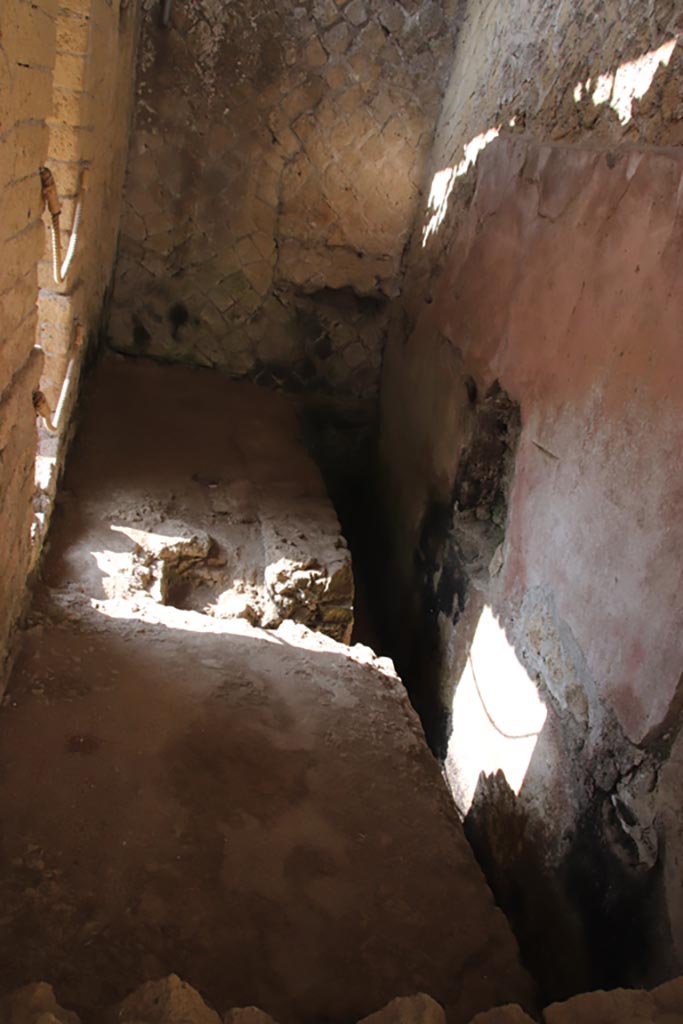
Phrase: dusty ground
(183, 791)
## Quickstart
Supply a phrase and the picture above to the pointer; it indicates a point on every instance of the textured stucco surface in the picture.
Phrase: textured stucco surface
(557, 241)
(545, 263)
(605, 73)
(273, 179)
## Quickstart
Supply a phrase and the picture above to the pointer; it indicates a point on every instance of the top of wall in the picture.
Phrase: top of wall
(600, 74)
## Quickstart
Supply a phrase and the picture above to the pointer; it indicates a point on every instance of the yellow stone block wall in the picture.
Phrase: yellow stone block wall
(88, 128)
(66, 81)
(27, 49)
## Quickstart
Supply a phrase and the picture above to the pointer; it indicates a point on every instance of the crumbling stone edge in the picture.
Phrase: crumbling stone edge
(172, 1001)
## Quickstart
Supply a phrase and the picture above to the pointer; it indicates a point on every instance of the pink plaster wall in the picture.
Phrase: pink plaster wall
(564, 283)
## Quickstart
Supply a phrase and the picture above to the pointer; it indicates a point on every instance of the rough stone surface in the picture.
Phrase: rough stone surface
(273, 179)
(34, 1004)
(418, 1009)
(172, 1001)
(510, 1014)
(247, 1015)
(168, 1001)
(663, 1004)
(253, 809)
(262, 543)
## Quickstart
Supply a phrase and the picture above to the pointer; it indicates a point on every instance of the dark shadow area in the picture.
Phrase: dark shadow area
(342, 438)
(596, 920)
(458, 537)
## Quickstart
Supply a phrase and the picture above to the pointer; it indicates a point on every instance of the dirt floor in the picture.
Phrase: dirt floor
(182, 790)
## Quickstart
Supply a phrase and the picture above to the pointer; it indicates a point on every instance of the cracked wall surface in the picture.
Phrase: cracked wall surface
(273, 179)
(545, 263)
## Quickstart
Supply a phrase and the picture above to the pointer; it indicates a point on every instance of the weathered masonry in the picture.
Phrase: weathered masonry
(65, 94)
(448, 235)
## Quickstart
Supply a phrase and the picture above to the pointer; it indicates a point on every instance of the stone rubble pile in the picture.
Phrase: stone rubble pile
(663, 1005)
(172, 1001)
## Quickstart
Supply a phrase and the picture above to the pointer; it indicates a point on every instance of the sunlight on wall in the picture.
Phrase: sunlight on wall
(497, 715)
(630, 82)
(444, 180)
(620, 89)
(45, 478)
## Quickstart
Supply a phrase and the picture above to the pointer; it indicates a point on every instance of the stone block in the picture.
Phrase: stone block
(21, 253)
(17, 301)
(70, 144)
(7, 157)
(73, 34)
(16, 406)
(391, 15)
(249, 303)
(265, 244)
(21, 204)
(30, 37)
(53, 338)
(325, 12)
(315, 55)
(168, 1001)
(337, 39)
(418, 1009)
(336, 76)
(71, 107)
(30, 147)
(247, 251)
(371, 40)
(356, 12)
(16, 346)
(260, 276)
(614, 1007)
(304, 97)
(70, 73)
(35, 1004)
(32, 93)
(431, 19)
(67, 177)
